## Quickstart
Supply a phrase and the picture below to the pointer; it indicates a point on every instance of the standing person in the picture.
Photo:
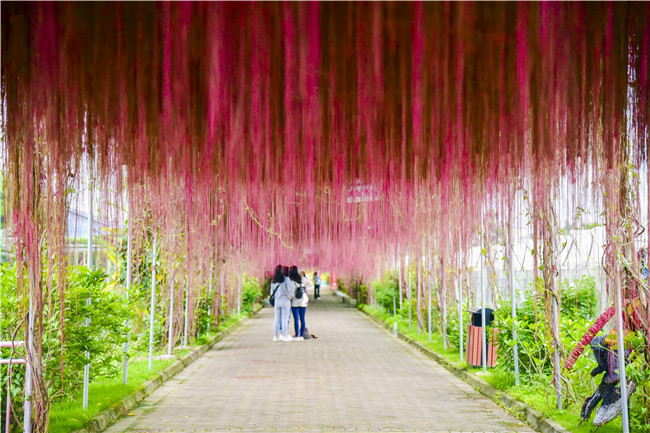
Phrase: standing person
(282, 288)
(317, 281)
(306, 281)
(298, 303)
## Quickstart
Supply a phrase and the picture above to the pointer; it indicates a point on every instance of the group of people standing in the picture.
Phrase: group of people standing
(289, 289)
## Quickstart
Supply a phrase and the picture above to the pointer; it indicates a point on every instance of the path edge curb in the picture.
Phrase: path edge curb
(517, 408)
(108, 417)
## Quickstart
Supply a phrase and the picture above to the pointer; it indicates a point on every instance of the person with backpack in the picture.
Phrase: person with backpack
(298, 303)
(281, 293)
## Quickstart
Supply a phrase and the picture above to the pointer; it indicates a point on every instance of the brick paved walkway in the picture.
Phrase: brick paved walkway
(354, 377)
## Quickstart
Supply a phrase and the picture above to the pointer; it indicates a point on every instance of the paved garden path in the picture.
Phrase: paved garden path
(354, 377)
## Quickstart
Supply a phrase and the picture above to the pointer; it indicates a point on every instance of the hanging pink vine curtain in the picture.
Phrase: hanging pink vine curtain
(265, 114)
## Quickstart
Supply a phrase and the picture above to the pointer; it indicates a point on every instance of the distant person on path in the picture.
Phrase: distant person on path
(298, 303)
(317, 282)
(283, 289)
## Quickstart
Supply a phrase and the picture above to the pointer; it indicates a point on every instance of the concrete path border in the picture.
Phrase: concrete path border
(522, 411)
(106, 418)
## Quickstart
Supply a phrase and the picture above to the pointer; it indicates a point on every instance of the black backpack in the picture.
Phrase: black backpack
(299, 290)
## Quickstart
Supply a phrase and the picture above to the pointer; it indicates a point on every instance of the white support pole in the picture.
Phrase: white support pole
(513, 302)
(399, 280)
(443, 301)
(461, 325)
(419, 298)
(483, 333)
(556, 315)
(170, 335)
(185, 312)
(620, 339)
(29, 388)
(429, 283)
(408, 271)
(8, 412)
(556, 372)
(210, 297)
(223, 283)
(153, 300)
(240, 290)
(374, 288)
(89, 265)
(129, 258)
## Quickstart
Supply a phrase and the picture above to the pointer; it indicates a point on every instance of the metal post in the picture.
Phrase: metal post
(429, 283)
(460, 305)
(210, 297)
(513, 302)
(8, 412)
(29, 388)
(621, 357)
(153, 300)
(185, 312)
(89, 264)
(240, 290)
(409, 288)
(399, 280)
(374, 288)
(171, 319)
(556, 372)
(556, 313)
(417, 289)
(129, 258)
(483, 333)
(443, 301)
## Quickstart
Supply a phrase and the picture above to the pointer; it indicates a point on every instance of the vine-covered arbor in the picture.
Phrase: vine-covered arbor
(261, 133)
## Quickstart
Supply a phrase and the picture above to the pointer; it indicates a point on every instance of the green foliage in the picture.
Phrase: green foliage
(266, 288)
(638, 371)
(68, 414)
(251, 293)
(94, 323)
(579, 298)
(12, 306)
(501, 378)
(362, 293)
(533, 327)
(341, 286)
(403, 311)
(386, 293)
(453, 332)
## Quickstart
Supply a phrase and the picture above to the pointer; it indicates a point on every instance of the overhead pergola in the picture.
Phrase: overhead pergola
(324, 134)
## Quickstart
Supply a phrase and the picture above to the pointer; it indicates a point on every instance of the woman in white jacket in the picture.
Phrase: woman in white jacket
(283, 290)
(298, 303)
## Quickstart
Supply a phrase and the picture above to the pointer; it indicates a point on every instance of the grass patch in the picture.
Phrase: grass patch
(69, 415)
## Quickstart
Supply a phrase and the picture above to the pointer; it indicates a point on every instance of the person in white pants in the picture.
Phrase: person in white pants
(284, 289)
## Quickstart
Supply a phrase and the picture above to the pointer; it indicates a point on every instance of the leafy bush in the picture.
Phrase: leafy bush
(13, 303)
(98, 327)
(533, 332)
(341, 286)
(453, 334)
(386, 291)
(579, 298)
(252, 293)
